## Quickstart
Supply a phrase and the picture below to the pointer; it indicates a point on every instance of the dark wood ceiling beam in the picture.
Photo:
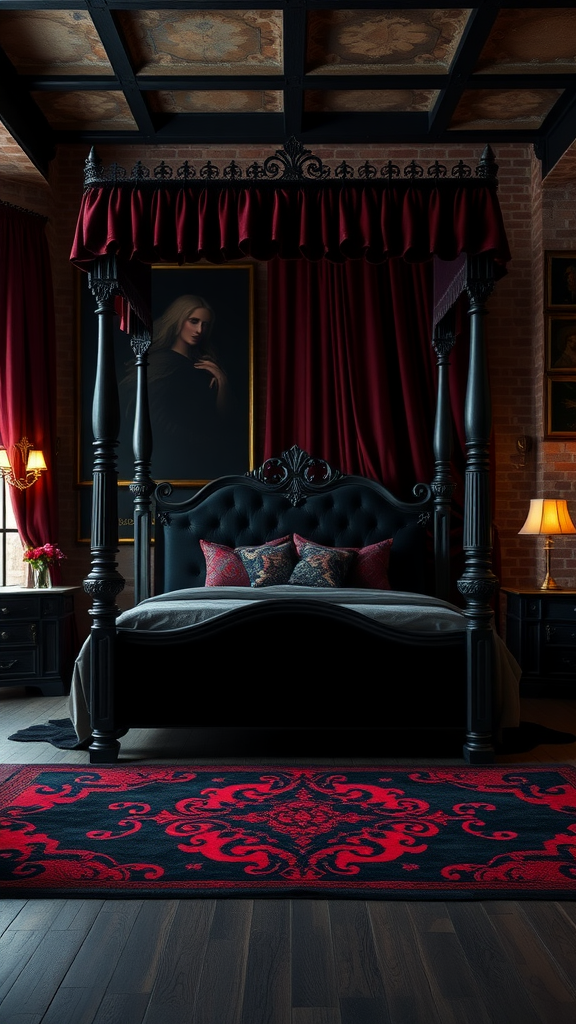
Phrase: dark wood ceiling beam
(117, 54)
(185, 5)
(558, 132)
(152, 83)
(294, 46)
(196, 129)
(22, 118)
(474, 37)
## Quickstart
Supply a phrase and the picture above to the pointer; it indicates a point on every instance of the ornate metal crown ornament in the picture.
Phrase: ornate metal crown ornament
(290, 163)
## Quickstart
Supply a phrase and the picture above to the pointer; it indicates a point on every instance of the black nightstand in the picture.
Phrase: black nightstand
(37, 638)
(541, 634)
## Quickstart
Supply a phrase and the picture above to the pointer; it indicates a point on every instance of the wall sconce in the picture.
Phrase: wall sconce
(548, 516)
(33, 460)
(523, 449)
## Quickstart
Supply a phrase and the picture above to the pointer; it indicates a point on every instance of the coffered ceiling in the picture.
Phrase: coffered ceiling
(222, 71)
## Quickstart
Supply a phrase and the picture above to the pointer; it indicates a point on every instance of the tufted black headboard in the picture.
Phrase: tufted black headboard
(292, 494)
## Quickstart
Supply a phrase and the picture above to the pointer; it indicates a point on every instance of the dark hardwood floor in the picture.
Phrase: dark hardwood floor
(203, 961)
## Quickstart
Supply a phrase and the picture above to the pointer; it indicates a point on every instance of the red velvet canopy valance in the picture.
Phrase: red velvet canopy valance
(219, 222)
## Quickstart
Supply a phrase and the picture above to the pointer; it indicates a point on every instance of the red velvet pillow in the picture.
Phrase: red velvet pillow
(369, 570)
(224, 567)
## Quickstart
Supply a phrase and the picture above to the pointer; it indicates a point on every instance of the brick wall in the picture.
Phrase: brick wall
(536, 217)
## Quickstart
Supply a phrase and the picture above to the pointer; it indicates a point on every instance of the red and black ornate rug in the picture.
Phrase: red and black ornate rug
(368, 833)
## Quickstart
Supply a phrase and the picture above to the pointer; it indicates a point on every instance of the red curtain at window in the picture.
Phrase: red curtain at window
(28, 365)
(351, 372)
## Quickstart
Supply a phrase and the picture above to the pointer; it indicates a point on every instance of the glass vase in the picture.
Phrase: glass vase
(42, 577)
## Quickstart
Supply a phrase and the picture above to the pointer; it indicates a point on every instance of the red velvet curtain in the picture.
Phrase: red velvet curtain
(371, 220)
(28, 365)
(351, 371)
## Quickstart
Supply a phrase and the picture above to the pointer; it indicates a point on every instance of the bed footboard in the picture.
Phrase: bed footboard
(299, 667)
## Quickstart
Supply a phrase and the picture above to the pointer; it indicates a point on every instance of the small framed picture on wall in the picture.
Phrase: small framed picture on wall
(560, 280)
(561, 407)
(561, 343)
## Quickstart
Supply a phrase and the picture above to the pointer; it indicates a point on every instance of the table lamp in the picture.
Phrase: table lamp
(548, 516)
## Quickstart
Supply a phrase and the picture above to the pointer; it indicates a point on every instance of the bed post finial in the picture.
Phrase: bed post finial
(488, 168)
(92, 168)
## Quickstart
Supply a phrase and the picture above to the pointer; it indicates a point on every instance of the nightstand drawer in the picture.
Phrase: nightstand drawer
(560, 633)
(19, 608)
(18, 665)
(15, 633)
(560, 659)
(560, 608)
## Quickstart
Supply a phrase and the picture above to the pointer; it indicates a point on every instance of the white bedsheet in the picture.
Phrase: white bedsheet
(180, 609)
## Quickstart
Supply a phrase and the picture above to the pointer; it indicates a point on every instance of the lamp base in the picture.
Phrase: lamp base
(549, 583)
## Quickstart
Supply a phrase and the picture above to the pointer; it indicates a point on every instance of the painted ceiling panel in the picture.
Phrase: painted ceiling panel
(363, 100)
(363, 41)
(86, 110)
(212, 101)
(53, 42)
(492, 109)
(534, 40)
(203, 42)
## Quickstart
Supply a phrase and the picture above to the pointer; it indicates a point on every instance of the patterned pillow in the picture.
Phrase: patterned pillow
(269, 564)
(320, 566)
(224, 567)
(369, 570)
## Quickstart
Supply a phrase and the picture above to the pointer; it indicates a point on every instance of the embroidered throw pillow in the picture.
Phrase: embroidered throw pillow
(268, 565)
(321, 566)
(369, 570)
(224, 567)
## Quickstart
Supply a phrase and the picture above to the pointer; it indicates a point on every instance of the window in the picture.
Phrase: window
(13, 572)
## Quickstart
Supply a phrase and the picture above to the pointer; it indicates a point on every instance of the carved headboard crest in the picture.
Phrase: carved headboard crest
(296, 474)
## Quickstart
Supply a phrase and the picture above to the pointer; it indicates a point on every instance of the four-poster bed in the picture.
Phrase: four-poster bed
(143, 672)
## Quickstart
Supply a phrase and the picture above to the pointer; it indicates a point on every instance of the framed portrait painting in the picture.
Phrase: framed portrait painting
(200, 377)
(561, 343)
(560, 280)
(561, 407)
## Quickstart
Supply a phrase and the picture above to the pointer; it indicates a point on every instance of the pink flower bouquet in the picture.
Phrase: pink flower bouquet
(40, 558)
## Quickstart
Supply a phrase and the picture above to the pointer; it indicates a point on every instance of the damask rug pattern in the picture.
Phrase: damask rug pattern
(363, 832)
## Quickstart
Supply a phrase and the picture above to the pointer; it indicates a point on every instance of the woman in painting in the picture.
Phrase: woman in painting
(188, 394)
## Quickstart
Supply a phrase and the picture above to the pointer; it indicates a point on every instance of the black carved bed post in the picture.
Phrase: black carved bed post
(478, 583)
(142, 485)
(443, 484)
(104, 582)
